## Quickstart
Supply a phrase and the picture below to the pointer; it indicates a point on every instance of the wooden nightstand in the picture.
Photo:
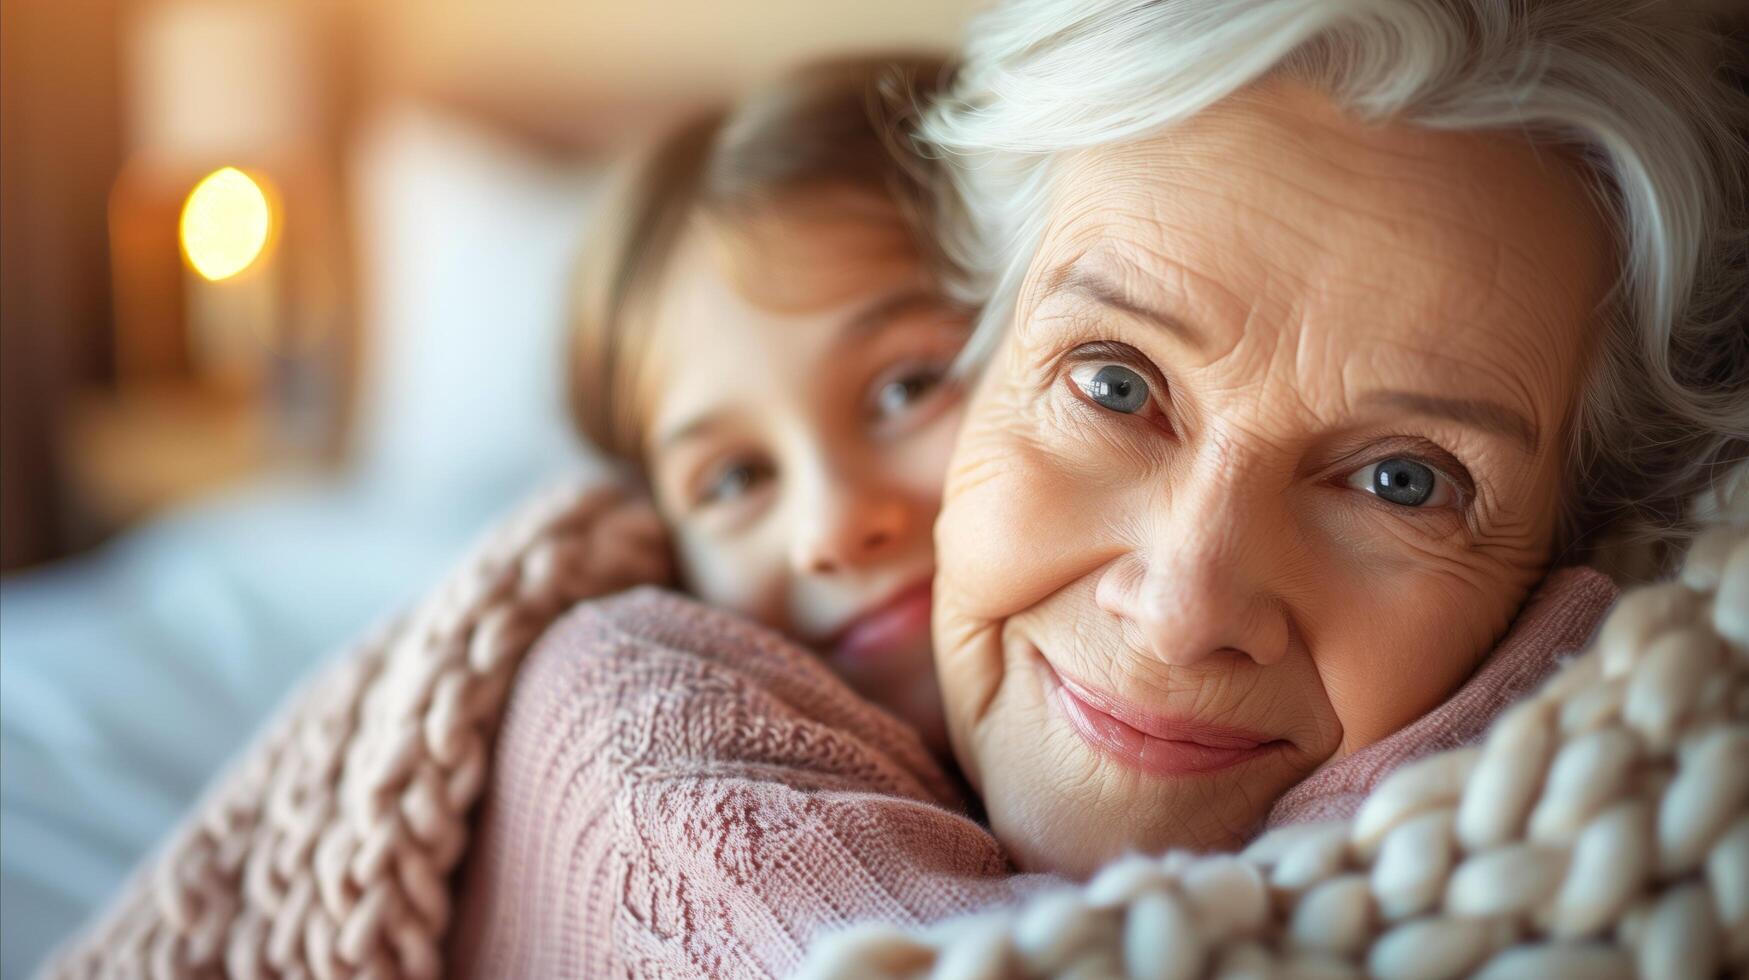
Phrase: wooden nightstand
(134, 453)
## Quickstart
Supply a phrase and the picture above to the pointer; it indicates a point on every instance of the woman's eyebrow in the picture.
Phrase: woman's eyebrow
(1478, 413)
(1091, 285)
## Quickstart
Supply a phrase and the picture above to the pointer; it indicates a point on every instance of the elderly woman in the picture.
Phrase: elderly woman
(1316, 333)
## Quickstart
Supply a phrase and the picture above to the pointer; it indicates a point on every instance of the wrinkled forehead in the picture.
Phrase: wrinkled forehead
(1274, 213)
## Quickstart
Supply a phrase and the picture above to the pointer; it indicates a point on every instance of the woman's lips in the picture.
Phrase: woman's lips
(897, 622)
(1148, 742)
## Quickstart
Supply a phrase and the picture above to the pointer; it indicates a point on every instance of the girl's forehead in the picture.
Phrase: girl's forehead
(714, 346)
(803, 257)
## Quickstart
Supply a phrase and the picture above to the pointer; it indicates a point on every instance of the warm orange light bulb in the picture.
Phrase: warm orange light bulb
(225, 223)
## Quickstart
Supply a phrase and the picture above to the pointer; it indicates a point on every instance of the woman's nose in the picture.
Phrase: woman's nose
(1200, 587)
(850, 530)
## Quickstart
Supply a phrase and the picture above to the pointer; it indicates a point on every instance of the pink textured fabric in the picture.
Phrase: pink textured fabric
(679, 793)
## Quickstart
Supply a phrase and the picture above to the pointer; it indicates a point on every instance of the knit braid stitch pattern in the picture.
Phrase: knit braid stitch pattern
(327, 851)
(1601, 830)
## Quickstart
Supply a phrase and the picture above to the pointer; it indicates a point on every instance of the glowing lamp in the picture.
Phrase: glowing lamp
(226, 222)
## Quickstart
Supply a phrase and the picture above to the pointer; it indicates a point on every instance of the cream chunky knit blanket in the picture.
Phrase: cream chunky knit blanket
(1603, 826)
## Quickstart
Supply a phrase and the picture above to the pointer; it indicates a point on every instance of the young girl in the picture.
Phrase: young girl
(760, 336)
(760, 333)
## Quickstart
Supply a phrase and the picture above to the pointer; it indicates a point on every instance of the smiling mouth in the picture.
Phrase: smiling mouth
(896, 622)
(1150, 743)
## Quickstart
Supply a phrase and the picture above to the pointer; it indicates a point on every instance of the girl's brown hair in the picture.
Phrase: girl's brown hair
(838, 124)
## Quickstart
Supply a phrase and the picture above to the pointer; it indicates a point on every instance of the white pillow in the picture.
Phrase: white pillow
(466, 248)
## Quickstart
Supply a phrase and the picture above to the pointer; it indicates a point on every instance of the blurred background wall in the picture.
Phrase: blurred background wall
(59, 151)
(133, 382)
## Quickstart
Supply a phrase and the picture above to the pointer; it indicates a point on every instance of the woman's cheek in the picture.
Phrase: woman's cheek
(1013, 523)
(1402, 643)
(1018, 514)
(1017, 526)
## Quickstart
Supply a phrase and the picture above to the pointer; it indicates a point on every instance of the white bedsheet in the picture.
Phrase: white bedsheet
(128, 678)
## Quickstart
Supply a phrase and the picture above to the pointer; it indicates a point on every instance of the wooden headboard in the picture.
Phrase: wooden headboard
(590, 74)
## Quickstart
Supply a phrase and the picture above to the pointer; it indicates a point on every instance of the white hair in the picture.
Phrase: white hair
(1636, 89)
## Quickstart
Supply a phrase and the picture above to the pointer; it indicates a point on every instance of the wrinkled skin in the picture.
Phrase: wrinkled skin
(1300, 296)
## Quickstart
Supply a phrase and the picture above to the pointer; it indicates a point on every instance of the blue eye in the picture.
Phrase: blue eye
(1404, 482)
(734, 481)
(1113, 386)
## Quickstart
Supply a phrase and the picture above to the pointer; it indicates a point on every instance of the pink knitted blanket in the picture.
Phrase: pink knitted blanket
(676, 792)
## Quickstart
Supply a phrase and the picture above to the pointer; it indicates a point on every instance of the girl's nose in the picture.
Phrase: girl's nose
(850, 530)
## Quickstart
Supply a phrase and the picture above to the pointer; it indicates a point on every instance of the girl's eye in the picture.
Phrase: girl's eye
(897, 395)
(1112, 386)
(1404, 482)
(734, 481)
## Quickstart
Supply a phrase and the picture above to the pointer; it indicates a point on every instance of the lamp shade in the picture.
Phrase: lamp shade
(220, 80)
